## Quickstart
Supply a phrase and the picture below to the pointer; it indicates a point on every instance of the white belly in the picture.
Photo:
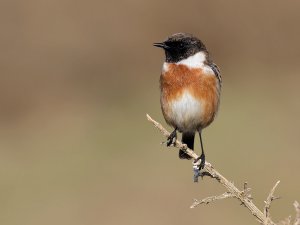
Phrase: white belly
(186, 112)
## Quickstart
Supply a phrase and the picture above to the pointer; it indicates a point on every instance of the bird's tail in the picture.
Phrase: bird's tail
(188, 139)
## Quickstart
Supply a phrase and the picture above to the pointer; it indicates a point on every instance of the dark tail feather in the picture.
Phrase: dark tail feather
(188, 139)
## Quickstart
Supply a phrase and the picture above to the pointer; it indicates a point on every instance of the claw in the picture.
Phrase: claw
(172, 138)
(202, 164)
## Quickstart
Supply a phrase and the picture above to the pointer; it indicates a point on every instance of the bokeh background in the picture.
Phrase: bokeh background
(77, 79)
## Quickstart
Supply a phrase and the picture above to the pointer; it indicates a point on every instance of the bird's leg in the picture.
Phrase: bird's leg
(172, 138)
(202, 156)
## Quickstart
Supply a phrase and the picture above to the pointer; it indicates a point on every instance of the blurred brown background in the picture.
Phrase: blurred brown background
(78, 77)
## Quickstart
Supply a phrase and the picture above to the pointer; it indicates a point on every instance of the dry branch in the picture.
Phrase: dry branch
(211, 199)
(232, 191)
(297, 208)
(286, 221)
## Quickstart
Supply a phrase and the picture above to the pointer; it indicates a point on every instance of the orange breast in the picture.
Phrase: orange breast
(204, 87)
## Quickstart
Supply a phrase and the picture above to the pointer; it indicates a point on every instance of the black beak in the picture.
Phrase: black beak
(161, 45)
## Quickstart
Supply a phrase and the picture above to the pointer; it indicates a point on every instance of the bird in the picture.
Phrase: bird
(190, 88)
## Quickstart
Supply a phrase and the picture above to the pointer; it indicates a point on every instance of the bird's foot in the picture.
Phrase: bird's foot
(172, 138)
(197, 166)
(202, 162)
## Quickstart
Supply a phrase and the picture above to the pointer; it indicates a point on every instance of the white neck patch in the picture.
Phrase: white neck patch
(194, 61)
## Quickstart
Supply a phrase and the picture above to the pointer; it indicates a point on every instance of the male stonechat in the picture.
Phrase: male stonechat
(190, 85)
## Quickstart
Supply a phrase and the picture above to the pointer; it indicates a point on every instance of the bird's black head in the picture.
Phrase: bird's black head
(181, 46)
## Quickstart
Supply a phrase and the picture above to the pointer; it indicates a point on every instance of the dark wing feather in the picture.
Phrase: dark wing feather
(217, 71)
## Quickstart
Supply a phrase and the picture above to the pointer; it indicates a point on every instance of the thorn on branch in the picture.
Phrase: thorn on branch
(246, 191)
(245, 194)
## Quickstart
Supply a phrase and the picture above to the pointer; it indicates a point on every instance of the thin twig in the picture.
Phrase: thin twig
(269, 200)
(231, 188)
(211, 199)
